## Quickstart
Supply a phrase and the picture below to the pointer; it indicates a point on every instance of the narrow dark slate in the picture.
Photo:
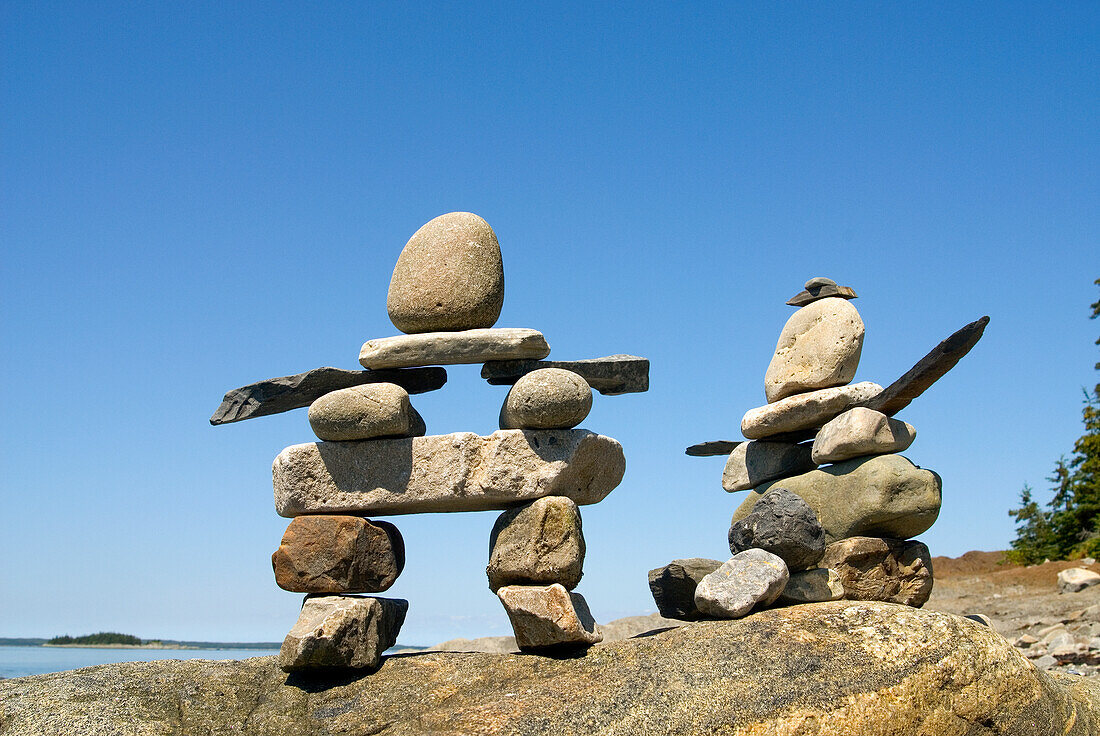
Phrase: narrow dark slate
(930, 369)
(615, 374)
(712, 448)
(276, 395)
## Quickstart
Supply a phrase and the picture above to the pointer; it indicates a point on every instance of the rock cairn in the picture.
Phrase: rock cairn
(833, 508)
(374, 458)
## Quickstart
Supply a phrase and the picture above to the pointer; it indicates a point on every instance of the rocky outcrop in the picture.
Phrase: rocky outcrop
(822, 669)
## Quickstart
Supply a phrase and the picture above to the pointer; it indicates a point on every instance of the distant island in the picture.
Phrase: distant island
(103, 638)
(114, 640)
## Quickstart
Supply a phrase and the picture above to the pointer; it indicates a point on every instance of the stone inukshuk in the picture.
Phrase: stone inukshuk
(374, 458)
(820, 534)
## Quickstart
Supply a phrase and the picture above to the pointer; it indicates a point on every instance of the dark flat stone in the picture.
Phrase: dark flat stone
(812, 294)
(713, 448)
(615, 374)
(276, 395)
(930, 369)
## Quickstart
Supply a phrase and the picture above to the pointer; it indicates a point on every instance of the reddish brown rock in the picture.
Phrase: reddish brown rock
(338, 554)
(874, 569)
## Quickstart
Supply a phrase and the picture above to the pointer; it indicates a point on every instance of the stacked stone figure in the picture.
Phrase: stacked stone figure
(808, 533)
(374, 459)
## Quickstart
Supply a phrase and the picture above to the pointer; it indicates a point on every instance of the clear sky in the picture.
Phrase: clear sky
(195, 196)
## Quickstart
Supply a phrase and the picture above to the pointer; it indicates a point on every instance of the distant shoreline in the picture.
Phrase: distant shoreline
(118, 646)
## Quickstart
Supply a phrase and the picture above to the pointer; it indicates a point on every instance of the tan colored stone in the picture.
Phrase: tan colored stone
(889, 570)
(548, 398)
(819, 347)
(804, 411)
(438, 473)
(449, 276)
(859, 432)
(753, 463)
(450, 348)
(812, 586)
(342, 632)
(361, 412)
(537, 544)
(338, 554)
(881, 495)
(548, 617)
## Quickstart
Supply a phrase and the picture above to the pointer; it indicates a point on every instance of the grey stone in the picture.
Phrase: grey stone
(277, 395)
(673, 586)
(812, 586)
(825, 669)
(449, 276)
(1075, 579)
(1045, 662)
(549, 398)
(342, 632)
(548, 617)
(753, 578)
(361, 413)
(927, 371)
(450, 348)
(810, 410)
(612, 375)
(858, 432)
(783, 524)
(820, 288)
(537, 544)
(889, 570)
(881, 495)
(338, 554)
(819, 347)
(756, 462)
(440, 473)
(818, 281)
(714, 448)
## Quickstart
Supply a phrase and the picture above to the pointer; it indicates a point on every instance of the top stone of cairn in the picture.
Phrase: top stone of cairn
(449, 277)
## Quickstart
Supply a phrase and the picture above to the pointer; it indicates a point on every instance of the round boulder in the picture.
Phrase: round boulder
(362, 412)
(549, 398)
(449, 277)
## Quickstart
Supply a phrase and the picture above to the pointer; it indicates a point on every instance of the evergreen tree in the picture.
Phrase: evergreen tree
(1070, 528)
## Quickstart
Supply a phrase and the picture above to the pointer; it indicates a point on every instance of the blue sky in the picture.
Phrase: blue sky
(197, 196)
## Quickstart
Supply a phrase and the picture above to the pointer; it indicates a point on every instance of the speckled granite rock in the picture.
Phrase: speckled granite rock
(831, 669)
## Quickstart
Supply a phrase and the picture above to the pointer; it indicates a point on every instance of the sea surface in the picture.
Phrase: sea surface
(23, 661)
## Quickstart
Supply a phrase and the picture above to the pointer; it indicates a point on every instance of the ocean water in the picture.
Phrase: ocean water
(23, 661)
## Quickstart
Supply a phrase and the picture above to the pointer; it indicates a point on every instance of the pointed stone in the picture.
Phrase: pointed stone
(276, 395)
(451, 348)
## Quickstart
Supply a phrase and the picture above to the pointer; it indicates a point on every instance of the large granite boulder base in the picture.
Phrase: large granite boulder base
(341, 632)
(449, 276)
(879, 496)
(338, 554)
(539, 543)
(819, 347)
(673, 586)
(823, 669)
(452, 472)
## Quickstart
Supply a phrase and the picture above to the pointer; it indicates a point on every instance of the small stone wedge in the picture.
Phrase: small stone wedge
(276, 395)
(713, 448)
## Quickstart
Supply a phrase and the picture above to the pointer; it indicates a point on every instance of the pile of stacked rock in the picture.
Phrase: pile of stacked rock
(374, 459)
(809, 533)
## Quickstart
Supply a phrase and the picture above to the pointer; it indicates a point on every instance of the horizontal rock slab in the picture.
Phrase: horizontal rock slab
(611, 375)
(822, 669)
(878, 496)
(820, 288)
(673, 586)
(442, 473)
(861, 431)
(548, 617)
(756, 462)
(714, 448)
(928, 370)
(341, 632)
(451, 348)
(276, 395)
(338, 554)
(810, 410)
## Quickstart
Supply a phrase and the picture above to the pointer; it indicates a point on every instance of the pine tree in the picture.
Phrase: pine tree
(1071, 526)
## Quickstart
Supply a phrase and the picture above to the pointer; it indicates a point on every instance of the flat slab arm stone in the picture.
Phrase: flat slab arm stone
(452, 348)
(714, 448)
(930, 369)
(611, 375)
(443, 473)
(276, 395)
